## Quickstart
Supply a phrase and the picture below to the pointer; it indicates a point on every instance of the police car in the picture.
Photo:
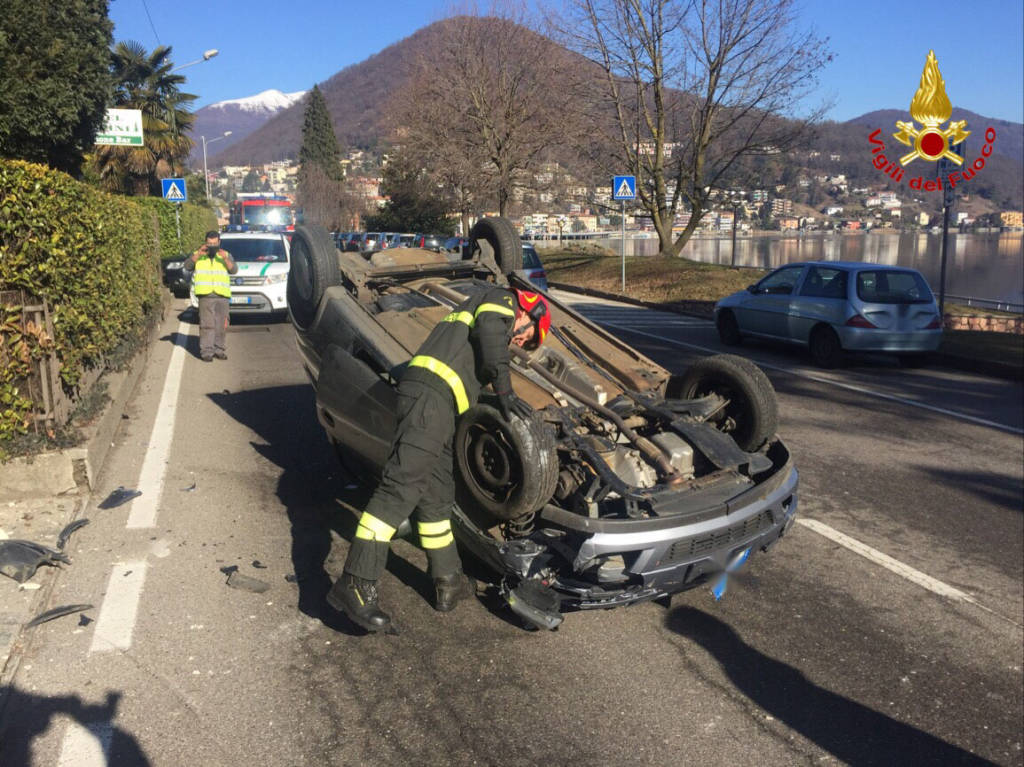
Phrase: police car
(261, 284)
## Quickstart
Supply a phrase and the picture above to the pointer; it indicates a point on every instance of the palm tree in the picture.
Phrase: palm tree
(145, 81)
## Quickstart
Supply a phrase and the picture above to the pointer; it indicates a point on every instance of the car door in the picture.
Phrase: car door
(821, 298)
(765, 311)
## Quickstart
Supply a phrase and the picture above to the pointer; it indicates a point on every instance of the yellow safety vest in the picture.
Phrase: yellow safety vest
(212, 277)
(445, 372)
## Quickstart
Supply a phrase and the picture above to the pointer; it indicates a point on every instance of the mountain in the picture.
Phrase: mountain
(240, 116)
(357, 96)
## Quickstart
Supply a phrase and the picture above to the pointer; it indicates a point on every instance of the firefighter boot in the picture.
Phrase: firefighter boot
(451, 588)
(357, 598)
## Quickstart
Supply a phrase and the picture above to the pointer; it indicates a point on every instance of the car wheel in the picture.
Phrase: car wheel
(314, 268)
(728, 329)
(825, 348)
(508, 469)
(503, 239)
(751, 413)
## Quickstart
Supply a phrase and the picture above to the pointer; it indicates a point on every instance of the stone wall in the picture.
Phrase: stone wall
(1013, 325)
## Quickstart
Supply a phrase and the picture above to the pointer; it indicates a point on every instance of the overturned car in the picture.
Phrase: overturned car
(627, 483)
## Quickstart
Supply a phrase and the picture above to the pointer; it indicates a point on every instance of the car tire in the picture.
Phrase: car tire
(507, 469)
(825, 348)
(503, 239)
(728, 329)
(752, 415)
(314, 268)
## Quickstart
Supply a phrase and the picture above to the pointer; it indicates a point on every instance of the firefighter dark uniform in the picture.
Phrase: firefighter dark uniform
(463, 353)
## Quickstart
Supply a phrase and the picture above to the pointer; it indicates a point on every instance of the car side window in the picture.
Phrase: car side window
(781, 282)
(824, 282)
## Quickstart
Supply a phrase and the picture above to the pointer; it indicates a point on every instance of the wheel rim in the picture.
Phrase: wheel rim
(494, 469)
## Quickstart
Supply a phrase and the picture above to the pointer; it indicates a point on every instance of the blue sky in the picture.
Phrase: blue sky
(880, 47)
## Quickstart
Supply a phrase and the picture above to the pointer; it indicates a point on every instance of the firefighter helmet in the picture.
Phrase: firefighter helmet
(536, 307)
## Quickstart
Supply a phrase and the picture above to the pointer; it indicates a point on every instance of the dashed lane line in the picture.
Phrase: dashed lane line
(905, 571)
(154, 465)
(116, 621)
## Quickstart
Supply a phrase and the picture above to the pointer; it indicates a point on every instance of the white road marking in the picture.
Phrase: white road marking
(86, 745)
(154, 465)
(827, 381)
(894, 565)
(116, 621)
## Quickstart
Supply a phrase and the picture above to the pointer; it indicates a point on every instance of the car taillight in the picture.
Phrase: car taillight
(858, 321)
(935, 324)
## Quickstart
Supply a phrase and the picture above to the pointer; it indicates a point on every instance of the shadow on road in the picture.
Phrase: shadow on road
(850, 731)
(319, 495)
(27, 715)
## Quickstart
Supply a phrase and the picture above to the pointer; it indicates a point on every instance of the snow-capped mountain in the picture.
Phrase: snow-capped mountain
(267, 101)
(240, 116)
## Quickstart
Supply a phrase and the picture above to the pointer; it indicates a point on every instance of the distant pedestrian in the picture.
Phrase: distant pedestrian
(212, 266)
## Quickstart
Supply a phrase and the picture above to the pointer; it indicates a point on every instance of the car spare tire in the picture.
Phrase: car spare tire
(314, 268)
(751, 416)
(502, 239)
(507, 469)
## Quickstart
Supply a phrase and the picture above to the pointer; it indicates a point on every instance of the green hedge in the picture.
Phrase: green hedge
(94, 257)
(196, 221)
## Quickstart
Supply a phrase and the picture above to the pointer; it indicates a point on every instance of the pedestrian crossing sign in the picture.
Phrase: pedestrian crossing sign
(624, 188)
(174, 189)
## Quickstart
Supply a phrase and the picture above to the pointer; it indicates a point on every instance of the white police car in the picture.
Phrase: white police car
(260, 286)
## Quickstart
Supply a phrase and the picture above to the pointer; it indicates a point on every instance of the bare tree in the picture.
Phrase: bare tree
(323, 200)
(484, 108)
(687, 89)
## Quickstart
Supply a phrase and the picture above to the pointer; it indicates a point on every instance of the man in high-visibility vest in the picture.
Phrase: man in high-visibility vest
(212, 267)
(466, 351)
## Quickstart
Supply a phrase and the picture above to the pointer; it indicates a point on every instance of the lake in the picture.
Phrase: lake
(982, 266)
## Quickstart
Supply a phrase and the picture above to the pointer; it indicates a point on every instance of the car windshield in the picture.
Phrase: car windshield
(266, 215)
(263, 250)
(887, 286)
(530, 258)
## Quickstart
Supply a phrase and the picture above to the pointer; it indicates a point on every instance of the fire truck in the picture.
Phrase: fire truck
(261, 212)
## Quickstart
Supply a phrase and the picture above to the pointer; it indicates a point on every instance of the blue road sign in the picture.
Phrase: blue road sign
(624, 188)
(174, 189)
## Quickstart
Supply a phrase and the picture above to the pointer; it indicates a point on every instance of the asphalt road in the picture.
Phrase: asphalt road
(817, 654)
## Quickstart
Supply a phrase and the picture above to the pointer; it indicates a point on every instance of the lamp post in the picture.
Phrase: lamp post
(207, 55)
(206, 173)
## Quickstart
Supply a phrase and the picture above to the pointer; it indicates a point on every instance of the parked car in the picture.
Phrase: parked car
(454, 245)
(370, 242)
(533, 269)
(261, 285)
(627, 483)
(174, 276)
(832, 307)
(434, 242)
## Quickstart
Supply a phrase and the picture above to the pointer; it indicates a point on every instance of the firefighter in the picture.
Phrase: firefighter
(464, 352)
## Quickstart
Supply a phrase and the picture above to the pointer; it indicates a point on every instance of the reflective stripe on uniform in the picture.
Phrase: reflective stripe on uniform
(372, 529)
(460, 317)
(211, 276)
(447, 375)
(434, 528)
(437, 541)
(496, 308)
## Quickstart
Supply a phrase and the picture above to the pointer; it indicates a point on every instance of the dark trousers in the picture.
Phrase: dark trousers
(417, 477)
(213, 324)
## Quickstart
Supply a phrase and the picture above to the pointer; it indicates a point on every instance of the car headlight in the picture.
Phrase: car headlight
(270, 279)
(174, 265)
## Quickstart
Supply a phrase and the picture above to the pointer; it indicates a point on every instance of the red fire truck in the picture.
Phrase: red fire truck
(261, 211)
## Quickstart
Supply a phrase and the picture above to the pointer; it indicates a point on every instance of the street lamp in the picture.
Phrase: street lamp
(207, 55)
(206, 173)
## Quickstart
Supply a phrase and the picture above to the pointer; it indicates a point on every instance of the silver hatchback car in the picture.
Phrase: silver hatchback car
(836, 306)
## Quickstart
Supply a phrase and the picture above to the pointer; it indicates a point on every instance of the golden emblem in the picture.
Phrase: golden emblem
(930, 107)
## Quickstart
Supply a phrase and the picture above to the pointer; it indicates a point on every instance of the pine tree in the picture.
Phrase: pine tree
(319, 181)
(319, 144)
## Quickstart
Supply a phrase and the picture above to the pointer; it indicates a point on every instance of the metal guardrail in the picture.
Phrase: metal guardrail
(987, 303)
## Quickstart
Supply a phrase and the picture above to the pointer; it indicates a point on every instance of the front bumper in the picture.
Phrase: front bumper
(268, 299)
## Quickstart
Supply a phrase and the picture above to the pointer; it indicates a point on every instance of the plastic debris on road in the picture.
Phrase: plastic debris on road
(68, 531)
(118, 497)
(56, 612)
(19, 559)
(243, 582)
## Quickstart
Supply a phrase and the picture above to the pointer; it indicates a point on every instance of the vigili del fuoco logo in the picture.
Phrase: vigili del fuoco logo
(931, 142)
